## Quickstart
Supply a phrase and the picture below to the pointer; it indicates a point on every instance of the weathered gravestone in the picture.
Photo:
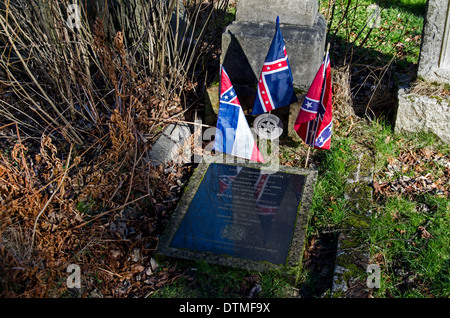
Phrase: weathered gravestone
(419, 112)
(246, 41)
(434, 64)
(241, 216)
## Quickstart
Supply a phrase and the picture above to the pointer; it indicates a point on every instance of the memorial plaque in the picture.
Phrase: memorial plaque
(241, 216)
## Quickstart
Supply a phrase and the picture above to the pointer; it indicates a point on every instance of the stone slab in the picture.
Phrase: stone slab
(245, 46)
(299, 12)
(423, 113)
(241, 215)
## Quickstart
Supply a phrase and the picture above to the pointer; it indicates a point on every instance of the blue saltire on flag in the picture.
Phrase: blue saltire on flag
(275, 85)
(314, 121)
(233, 134)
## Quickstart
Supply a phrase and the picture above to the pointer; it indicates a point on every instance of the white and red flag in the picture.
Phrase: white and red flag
(233, 134)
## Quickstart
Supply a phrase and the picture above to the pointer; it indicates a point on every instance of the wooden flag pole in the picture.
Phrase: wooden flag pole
(307, 157)
(309, 147)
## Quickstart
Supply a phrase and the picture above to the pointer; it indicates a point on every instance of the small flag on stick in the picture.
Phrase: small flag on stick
(233, 134)
(275, 85)
(314, 121)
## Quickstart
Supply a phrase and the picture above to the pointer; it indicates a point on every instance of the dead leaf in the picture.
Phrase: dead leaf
(424, 233)
(426, 152)
(137, 268)
(418, 168)
(376, 186)
(251, 279)
(391, 160)
(118, 41)
(115, 253)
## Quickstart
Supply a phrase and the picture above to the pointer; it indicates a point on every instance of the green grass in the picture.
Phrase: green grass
(204, 280)
(411, 265)
(328, 205)
(398, 32)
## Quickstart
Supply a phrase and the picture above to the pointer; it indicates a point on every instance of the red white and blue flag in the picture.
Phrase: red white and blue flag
(233, 134)
(314, 121)
(275, 85)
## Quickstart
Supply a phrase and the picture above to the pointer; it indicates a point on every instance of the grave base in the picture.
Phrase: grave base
(423, 113)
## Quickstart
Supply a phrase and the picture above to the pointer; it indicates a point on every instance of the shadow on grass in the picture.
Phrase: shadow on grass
(375, 78)
(417, 7)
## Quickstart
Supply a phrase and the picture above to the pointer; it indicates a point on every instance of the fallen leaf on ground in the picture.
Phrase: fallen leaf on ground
(424, 233)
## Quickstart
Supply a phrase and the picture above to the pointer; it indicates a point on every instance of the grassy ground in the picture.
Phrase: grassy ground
(410, 234)
(393, 28)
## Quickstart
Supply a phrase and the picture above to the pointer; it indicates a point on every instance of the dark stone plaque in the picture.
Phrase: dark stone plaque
(242, 216)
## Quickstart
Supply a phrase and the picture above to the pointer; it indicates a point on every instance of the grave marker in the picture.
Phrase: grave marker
(421, 112)
(246, 41)
(242, 216)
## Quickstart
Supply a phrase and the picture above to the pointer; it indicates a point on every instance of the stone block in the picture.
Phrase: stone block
(245, 46)
(174, 144)
(423, 113)
(299, 12)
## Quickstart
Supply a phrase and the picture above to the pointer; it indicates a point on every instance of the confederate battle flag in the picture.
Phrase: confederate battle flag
(275, 85)
(314, 121)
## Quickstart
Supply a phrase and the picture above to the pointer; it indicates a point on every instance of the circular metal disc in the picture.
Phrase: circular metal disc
(268, 126)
